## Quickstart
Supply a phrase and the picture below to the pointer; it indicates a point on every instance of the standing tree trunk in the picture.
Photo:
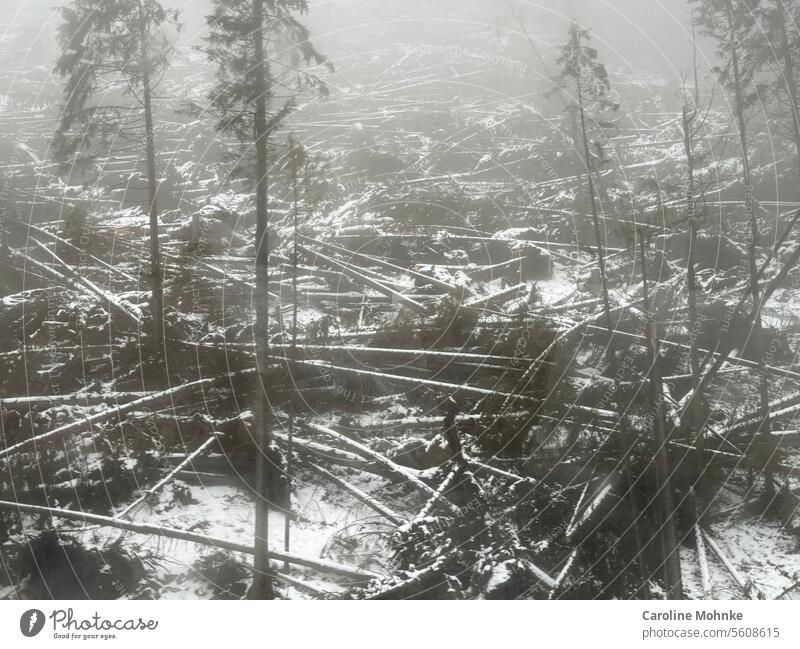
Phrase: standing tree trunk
(292, 400)
(262, 581)
(156, 285)
(628, 440)
(696, 405)
(673, 581)
(601, 258)
(757, 337)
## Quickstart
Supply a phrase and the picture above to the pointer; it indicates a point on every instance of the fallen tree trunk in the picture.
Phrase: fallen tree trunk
(426, 510)
(89, 399)
(747, 586)
(204, 447)
(106, 415)
(127, 309)
(64, 242)
(173, 533)
(538, 574)
(364, 279)
(368, 500)
(451, 387)
(435, 421)
(396, 469)
(404, 352)
(563, 574)
(591, 508)
(410, 586)
(451, 288)
(500, 297)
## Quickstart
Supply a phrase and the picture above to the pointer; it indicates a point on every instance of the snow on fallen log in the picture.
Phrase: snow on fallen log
(428, 353)
(426, 510)
(587, 514)
(747, 586)
(578, 505)
(434, 421)
(498, 473)
(320, 565)
(780, 408)
(203, 448)
(82, 284)
(452, 288)
(365, 498)
(500, 297)
(552, 310)
(450, 387)
(75, 398)
(487, 273)
(53, 237)
(741, 458)
(563, 574)
(313, 449)
(364, 279)
(106, 415)
(412, 584)
(396, 469)
(539, 574)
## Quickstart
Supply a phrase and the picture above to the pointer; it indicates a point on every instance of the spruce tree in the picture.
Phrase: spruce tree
(733, 25)
(260, 48)
(110, 48)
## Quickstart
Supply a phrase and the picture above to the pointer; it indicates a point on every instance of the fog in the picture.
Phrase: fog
(639, 38)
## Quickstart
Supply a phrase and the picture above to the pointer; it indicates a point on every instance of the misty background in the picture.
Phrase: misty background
(635, 38)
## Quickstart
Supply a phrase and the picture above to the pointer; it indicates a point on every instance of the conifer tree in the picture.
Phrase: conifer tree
(116, 49)
(733, 25)
(260, 48)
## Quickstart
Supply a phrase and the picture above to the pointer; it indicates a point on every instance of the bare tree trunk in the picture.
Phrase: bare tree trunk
(627, 439)
(601, 258)
(156, 285)
(757, 337)
(673, 583)
(262, 580)
(292, 401)
(696, 405)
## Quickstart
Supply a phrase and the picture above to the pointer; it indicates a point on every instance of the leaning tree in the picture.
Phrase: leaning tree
(262, 52)
(113, 54)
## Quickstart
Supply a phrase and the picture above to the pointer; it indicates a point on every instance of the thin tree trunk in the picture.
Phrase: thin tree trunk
(156, 285)
(292, 400)
(673, 584)
(627, 439)
(320, 565)
(593, 203)
(262, 581)
(757, 336)
(696, 405)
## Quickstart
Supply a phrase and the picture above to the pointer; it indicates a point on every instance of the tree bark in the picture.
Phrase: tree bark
(696, 404)
(262, 581)
(156, 283)
(757, 337)
(664, 501)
